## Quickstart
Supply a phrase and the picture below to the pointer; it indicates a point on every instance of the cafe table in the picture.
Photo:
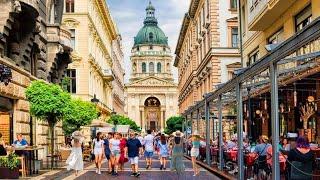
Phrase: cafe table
(31, 157)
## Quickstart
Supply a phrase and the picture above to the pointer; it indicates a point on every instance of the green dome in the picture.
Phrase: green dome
(150, 33)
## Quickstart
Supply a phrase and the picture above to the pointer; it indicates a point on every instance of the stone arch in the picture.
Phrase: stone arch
(152, 109)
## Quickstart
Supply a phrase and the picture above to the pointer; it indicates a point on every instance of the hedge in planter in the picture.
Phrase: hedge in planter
(9, 167)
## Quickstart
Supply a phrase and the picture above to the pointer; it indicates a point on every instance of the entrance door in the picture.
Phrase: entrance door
(153, 125)
(5, 126)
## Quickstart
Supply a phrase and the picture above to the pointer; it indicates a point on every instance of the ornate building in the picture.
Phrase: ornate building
(33, 46)
(151, 92)
(207, 50)
(93, 33)
(118, 71)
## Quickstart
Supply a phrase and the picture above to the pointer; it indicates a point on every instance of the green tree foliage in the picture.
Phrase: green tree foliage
(174, 123)
(78, 113)
(123, 120)
(48, 102)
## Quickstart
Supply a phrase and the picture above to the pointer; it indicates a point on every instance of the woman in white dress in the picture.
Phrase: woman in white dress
(98, 151)
(75, 160)
(115, 152)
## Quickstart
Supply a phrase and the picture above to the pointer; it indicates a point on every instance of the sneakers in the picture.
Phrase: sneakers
(115, 174)
(161, 167)
(99, 172)
(137, 174)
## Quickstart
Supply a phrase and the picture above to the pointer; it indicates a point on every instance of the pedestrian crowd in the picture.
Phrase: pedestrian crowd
(118, 150)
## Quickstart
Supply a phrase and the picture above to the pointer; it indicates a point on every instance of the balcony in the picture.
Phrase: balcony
(263, 13)
(107, 74)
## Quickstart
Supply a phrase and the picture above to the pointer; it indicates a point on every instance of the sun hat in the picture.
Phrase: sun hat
(77, 135)
(177, 133)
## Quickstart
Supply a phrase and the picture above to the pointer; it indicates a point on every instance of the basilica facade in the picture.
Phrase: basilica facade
(151, 94)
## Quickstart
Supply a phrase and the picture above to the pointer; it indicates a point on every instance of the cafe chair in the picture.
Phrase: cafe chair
(23, 167)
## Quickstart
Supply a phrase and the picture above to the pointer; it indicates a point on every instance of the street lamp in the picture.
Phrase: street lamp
(94, 99)
(5, 74)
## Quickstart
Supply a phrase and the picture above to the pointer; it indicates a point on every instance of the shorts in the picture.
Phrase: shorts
(108, 156)
(148, 154)
(194, 152)
(97, 151)
(134, 160)
(115, 153)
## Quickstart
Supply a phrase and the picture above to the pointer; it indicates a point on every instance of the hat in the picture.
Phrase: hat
(265, 138)
(77, 135)
(177, 133)
(195, 133)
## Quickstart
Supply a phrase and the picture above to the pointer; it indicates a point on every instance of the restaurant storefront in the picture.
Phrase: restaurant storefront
(277, 95)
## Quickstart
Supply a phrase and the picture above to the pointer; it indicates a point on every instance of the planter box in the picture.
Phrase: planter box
(6, 173)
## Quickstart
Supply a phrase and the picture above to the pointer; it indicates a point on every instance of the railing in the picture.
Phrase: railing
(255, 8)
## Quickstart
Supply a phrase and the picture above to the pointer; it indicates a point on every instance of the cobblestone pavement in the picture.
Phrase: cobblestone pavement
(152, 174)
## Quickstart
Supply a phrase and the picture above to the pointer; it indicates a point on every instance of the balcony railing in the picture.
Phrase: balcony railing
(108, 74)
(262, 13)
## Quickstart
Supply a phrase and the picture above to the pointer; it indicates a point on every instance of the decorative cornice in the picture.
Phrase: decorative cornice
(70, 23)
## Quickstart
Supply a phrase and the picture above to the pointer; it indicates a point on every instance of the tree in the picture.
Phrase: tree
(48, 102)
(122, 120)
(174, 123)
(78, 113)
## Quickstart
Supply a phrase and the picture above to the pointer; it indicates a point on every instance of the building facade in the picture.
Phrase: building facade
(93, 33)
(151, 94)
(207, 50)
(264, 29)
(118, 71)
(33, 46)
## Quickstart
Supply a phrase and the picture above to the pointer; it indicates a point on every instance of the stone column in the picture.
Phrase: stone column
(142, 120)
(161, 121)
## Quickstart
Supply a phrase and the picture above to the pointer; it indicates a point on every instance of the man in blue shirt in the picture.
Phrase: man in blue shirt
(107, 151)
(20, 142)
(133, 149)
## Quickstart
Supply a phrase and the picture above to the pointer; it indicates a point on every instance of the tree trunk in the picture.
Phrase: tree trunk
(51, 126)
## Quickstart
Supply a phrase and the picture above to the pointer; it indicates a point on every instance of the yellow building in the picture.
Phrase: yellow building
(265, 25)
(93, 32)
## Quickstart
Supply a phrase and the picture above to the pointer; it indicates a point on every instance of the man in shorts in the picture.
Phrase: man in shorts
(149, 148)
(133, 148)
(107, 151)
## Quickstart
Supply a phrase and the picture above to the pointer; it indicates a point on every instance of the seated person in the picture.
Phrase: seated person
(20, 142)
(3, 151)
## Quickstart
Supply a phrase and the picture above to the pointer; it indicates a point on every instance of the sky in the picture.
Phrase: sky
(129, 15)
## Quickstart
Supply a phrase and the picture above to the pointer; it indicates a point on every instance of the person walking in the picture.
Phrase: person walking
(195, 141)
(75, 161)
(163, 151)
(177, 154)
(115, 152)
(123, 145)
(98, 151)
(107, 151)
(149, 148)
(133, 149)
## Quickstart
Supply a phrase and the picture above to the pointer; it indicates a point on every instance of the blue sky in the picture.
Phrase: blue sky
(129, 16)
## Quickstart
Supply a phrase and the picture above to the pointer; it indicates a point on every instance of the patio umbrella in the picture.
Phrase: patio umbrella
(99, 123)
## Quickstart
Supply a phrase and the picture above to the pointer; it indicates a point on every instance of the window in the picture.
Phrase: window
(138, 48)
(144, 67)
(151, 67)
(150, 47)
(72, 86)
(253, 57)
(303, 18)
(234, 37)
(233, 4)
(151, 37)
(73, 38)
(69, 6)
(276, 38)
(164, 48)
(208, 9)
(159, 67)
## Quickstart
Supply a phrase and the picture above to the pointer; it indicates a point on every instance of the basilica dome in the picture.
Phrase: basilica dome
(150, 33)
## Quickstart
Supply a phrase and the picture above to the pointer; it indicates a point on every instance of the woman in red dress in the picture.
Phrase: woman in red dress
(123, 159)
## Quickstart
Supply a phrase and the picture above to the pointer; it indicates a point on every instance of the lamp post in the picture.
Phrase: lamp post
(95, 101)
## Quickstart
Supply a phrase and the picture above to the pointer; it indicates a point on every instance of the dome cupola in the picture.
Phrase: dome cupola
(150, 33)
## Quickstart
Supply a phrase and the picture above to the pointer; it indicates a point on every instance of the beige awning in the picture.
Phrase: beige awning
(99, 123)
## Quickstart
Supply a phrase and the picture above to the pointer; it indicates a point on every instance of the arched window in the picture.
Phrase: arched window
(144, 67)
(151, 37)
(159, 67)
(151, 67)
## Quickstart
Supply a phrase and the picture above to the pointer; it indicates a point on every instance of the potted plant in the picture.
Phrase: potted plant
(9, 167)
